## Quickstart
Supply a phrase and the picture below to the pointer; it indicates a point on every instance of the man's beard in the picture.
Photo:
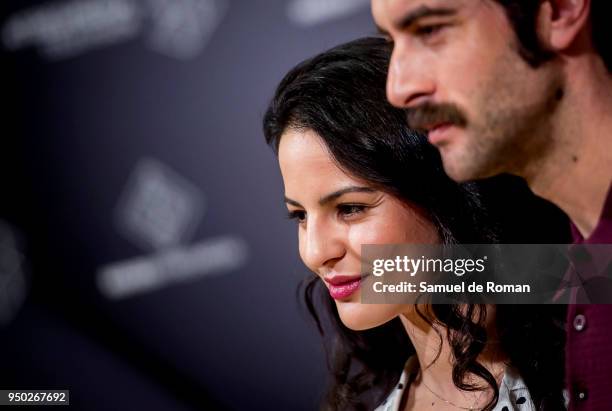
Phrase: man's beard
(503, 139)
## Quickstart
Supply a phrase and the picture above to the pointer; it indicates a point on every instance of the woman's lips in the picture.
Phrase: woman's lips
(342, 286)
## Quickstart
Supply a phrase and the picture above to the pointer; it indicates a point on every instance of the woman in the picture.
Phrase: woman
(354, 174)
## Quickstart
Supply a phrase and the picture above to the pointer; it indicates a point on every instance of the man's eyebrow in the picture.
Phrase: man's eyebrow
(420, 12)
(333, 196)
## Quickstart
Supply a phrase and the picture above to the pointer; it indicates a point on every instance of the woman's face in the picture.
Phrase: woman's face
(337, 213)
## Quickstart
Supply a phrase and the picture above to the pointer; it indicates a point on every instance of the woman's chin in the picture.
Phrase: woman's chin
(359, 317)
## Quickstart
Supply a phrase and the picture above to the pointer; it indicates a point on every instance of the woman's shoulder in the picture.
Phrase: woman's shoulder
(513, 392)
(394, 399)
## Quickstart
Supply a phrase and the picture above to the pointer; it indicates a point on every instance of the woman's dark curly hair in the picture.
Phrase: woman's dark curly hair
(340, 95)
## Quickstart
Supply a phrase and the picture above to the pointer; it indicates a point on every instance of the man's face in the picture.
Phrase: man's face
(455, 67)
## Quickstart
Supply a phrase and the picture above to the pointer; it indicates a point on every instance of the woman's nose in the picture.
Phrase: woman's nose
(321, 244)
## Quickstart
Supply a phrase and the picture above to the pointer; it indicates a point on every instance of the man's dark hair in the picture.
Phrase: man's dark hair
(523, 16)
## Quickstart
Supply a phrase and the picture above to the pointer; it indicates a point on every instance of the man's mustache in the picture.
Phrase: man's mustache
(427, 115)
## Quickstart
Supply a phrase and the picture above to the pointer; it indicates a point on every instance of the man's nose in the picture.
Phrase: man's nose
(409, 81)
(322, 244)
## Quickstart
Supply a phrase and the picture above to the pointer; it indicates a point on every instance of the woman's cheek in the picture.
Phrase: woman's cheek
(374, 231)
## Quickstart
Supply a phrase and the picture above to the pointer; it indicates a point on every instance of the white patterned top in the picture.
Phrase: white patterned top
(513, 393)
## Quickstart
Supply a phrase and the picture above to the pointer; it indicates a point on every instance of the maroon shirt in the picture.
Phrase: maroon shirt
(589, 328)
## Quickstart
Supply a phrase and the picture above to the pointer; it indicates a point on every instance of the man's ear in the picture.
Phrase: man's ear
(560, 22)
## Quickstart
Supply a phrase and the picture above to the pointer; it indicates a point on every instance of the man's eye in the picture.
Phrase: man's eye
(298, 215)
(428, 31)
(349, 210)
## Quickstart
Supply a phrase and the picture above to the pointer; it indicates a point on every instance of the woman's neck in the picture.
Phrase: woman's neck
(435, 355)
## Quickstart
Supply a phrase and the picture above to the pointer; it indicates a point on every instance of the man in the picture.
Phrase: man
(521, 87)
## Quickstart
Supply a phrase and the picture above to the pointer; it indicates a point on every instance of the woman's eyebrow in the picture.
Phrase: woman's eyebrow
(351, 189)
(292, 202)
(335, 195)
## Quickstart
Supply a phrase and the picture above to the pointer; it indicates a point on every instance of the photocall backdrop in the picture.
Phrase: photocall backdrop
(145, 261)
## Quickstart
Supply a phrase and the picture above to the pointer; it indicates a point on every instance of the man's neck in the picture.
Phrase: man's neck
(576, 173)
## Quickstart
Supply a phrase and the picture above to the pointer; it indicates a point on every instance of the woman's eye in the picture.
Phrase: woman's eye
(298, 215)
(349, 210)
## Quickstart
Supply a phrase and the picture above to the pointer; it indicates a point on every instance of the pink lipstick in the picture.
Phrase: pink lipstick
(342, 286)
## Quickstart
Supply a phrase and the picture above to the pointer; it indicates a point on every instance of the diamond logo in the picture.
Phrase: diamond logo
(159, 208)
